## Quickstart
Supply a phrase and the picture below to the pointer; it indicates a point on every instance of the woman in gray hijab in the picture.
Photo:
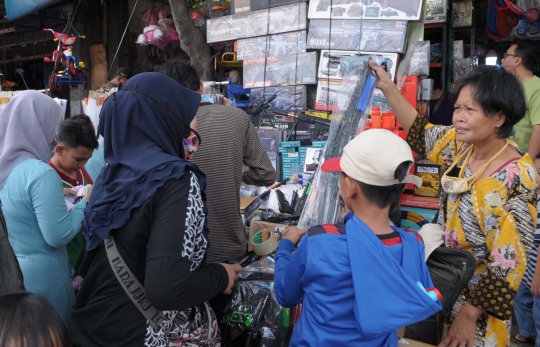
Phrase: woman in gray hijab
(39, 225)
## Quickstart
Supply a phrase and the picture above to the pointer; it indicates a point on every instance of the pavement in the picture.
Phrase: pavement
(516, 343)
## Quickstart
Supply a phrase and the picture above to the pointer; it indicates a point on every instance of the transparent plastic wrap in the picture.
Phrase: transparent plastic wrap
(357, 35)
(462, 14)
(413, 35)
(369, 9)
(281, 70)
(288, 99)
(258, 23)
(262, 269)
(275, 324)
(436, 11)
(419, 65)
(356, 90)
(273, 45)
(462, 67)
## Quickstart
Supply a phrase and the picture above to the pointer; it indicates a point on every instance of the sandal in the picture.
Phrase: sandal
(520, 338)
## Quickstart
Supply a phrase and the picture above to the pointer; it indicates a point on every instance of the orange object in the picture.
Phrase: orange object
(376, 121)
(410, 90)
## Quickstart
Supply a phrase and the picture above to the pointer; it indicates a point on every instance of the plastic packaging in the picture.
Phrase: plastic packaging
(240, 6)
(288, 99)
(324, 205)
(281, 71)
(419, 65)
(436, 11)
(462, 67)
(258, 23)
(272, 45)
(462, 14)
(357, 35)
(374, 9)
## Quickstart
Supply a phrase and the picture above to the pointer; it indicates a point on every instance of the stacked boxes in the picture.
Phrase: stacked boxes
(290, 160)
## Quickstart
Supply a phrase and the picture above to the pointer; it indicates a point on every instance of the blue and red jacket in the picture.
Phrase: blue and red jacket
(357, 289)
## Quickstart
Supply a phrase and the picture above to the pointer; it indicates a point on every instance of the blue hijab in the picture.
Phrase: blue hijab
(143, 126)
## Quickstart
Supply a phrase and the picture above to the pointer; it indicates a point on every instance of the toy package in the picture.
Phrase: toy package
(431, 177)
(365, 9)
(462, 67)
(436, 11)
(272, 45)
(357, 35)
(281, 70)
(329, 66)
(258, 23)
(462, 14)
(241, 6)
(419, 65)
(288, 99)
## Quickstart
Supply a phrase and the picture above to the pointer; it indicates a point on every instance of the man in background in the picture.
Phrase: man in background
(521, 59)
(119, 79)
(229, 141)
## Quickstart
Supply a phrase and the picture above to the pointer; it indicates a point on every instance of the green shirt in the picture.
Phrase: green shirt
(523, 129)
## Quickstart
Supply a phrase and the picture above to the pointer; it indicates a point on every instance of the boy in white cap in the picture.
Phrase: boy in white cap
(360, 281)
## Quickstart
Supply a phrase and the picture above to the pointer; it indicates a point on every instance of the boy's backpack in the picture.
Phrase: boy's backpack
(11, 278)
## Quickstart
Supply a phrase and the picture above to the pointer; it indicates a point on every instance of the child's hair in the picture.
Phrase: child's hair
(28, 320)
(385, 196)
(78, 131)
(538, 156)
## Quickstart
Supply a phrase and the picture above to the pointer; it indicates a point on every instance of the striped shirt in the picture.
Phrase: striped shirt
(531, 264)
(228, 142)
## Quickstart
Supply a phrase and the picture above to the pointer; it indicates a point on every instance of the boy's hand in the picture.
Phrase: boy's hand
(535, 285)
(69, 191)
(294, 234)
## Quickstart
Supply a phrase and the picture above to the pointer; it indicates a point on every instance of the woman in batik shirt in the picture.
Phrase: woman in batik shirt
(490, 206)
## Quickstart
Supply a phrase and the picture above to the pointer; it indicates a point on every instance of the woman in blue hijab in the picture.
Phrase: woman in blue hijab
(152, 202)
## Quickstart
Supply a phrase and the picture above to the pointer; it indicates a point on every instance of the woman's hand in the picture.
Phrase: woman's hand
(294, 234)
(383, 78)
(463, 328)
(232, 271)
(69, 191)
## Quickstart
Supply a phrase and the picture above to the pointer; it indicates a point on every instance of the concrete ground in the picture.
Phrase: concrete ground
(516, 343)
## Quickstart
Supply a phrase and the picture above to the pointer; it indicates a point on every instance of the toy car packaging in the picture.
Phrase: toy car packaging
(357, 35)
(365, 9)
(281, 70)
(272, 45)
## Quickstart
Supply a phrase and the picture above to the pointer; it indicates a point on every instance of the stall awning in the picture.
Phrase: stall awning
(16, 9)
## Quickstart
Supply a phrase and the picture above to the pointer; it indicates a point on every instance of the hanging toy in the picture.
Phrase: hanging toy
(158, 32)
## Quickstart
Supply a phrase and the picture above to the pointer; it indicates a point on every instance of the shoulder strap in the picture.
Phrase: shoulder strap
(133, 288)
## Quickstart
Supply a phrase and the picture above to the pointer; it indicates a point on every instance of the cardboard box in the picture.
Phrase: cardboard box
(413, 343)
(272, 45)
(428, 85)
(330, 67)
(313, 159)
(289, 99)
(258, 23)
(241, 6)
(356, 9)
(357, 35)
(290, 144)
(462, 14)
(281, 70)
(431, 178)
(257, 226)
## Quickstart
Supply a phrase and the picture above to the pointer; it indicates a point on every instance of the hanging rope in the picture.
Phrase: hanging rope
(122, 39)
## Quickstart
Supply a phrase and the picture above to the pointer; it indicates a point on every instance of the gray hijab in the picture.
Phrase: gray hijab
(28, 124)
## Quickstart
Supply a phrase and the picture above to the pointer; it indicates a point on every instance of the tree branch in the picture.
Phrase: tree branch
(193, 40)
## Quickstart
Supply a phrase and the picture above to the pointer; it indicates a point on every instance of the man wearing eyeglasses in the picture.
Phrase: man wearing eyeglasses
(522, 60)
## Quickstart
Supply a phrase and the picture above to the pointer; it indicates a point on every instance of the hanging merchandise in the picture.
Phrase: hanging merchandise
(357, 35)
(329, 66)
(158, 32)
(462, 14)
(259, 23)
(373, 9)
(274, 45)
(241, 6)
(323, 205)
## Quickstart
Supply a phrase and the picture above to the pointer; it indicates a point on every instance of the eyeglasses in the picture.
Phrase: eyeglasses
(506, 55)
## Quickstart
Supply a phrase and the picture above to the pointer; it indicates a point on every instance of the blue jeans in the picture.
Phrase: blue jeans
(527, 310)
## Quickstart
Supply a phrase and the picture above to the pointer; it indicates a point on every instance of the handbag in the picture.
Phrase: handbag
(193, 327)
(451, 269)
(11, 277)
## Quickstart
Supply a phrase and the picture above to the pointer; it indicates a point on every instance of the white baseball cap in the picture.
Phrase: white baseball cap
(373, 157)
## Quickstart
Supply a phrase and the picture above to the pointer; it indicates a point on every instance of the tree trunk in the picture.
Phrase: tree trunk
(193, 40)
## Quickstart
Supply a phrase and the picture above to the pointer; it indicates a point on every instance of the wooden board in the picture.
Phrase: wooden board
(413, 343)
(98, 64)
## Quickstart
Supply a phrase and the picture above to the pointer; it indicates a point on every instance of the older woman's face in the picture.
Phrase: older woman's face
(472, 125)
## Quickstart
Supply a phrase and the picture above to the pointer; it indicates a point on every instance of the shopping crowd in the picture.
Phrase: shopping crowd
(132, 237)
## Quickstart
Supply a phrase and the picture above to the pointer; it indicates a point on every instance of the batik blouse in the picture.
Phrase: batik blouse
(495, 221)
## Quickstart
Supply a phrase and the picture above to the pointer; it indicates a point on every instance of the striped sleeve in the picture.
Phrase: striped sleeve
(259, 171)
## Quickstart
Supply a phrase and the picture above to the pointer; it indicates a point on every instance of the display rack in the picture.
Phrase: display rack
(438, 29)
